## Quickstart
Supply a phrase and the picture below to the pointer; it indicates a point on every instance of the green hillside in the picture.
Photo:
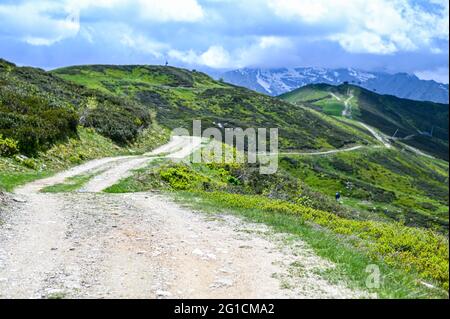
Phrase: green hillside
(178, 96)
(380, 183)
(133, 109)
(423, 125)
(38, 109)
(397, 182)
(134, 106)
(48, 124)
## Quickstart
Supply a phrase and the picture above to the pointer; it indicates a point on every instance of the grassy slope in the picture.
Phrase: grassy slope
(404, 187)
(178, 96)
(350, 255)
(385, 112)
(389, 183)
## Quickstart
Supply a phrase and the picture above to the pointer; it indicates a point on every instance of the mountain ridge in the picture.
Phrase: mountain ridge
(278, 81)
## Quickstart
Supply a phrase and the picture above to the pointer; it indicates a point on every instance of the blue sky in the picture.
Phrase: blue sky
(391, 35)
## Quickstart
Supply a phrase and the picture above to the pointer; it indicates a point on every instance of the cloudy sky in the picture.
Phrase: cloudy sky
(391, 35)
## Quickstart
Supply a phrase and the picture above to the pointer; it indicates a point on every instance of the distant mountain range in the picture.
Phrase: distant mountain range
(278, 81)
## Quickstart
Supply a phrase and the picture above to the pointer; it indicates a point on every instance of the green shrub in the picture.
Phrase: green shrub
(30, 163)
(39, 110)
(34, 122)
(121, 124)
(8, 146)
(180, 177)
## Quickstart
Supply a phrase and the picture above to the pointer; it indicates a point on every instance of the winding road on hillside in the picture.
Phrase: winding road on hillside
(89, 244)
(347, 112)
(347, 149)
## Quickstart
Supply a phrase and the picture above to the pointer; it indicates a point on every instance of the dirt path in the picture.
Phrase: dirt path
(384, 139)
(97, 245)
(335, 96)
(348, 149)
(379, 136)
(347, 112)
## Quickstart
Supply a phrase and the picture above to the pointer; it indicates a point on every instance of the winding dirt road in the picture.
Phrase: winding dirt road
(347, 112)
(96, 245)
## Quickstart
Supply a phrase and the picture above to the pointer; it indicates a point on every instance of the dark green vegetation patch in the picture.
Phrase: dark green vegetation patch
(38, 109)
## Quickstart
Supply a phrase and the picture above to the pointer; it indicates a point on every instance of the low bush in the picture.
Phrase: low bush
(33, 122)
(122, 125)
(180, 177)
(39, 110)
(8, 146)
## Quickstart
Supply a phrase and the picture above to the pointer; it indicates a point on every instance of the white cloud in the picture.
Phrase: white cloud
(141, 43)
(214, 57)
(218, 57)
(310, 11)
(263, 50)
(46, 22)
(153, 10)
(267, 42)
(170, 10)
(36, 24)
(375, 26)
(365, 42)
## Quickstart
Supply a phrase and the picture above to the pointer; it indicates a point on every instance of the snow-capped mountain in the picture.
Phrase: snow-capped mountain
(278, 81)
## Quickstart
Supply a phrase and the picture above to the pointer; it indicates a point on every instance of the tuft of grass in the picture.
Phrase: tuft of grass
(143, 179)
(11, 180)
(72, 184)
(57, 295)
(126, 185)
